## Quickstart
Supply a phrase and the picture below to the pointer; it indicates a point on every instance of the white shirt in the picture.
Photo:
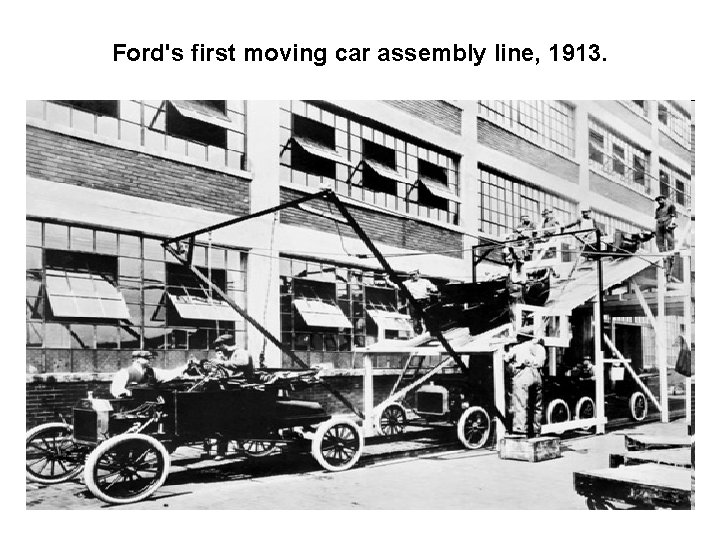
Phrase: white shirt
(121, 378)
(528, 354)
(420, 289)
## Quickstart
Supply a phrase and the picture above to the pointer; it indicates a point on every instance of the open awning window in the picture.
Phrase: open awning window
(84, 295)
(391, 320)
(316, 149)
(438, 189)
(201, 111)
(386, 172)
(318, 313)
(203, 308)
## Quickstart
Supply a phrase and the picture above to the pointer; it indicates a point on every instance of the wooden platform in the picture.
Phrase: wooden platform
(655, 442)
(675, 457)
(645, 485)
(533, 450)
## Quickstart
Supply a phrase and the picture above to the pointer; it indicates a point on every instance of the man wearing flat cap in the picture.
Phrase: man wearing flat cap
(141, 372)
(665, 216)
(235, 360)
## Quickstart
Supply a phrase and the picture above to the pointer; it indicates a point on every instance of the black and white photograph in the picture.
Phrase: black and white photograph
(417, 304)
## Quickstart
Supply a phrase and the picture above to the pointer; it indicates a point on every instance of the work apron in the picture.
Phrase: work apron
(527, 384)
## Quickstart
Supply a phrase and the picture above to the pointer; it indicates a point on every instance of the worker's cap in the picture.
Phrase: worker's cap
(660, 197)
(587, 357)
(584, 207)
(225, 339)
(524, 216)
(143, 355)
(547, 211)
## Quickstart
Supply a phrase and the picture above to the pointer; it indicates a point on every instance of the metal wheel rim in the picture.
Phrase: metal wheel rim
(639, 406)
(392, 420)
(587, 410)
(476, 426)
(128, 470)
(55, 450)
(339, 445)
(561, 410)
(258, 448)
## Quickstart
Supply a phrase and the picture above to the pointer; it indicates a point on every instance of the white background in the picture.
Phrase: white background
(658, 50)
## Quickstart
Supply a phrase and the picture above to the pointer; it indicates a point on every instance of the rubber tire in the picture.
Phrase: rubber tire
(319, 435)
(632, 403)
(461, 428)
(551, 407)
(378, 419)
(578, 408)
(253, 454)
(31, 434)
(105, 446)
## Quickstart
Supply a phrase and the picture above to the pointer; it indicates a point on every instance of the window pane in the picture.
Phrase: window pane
(33, 233)
(56, 236)
(81, 239)
(129, 337)
(129, 245)
(57, 336)
(106, 242)
(81, 336)
(33, 335)
(107, 337)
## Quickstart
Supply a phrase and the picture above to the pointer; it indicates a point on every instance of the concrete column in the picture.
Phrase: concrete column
(368, 396)
(581, 147)
(499, 383)
(263, 282)
(661, 342)
(654, 156)
(470, 207)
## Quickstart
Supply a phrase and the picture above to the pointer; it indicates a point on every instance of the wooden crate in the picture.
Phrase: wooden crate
(524, 449)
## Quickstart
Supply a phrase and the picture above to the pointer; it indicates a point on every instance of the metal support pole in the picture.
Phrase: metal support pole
(661, 343)
(687, 321)
(368, 396)
(499, 384)
(599, 332)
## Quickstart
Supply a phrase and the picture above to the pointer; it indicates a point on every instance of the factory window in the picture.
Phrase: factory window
(503, 200)
(97, 107)
(637, 105)
(101, 289)
(675, 122)
(383, 165)
(662, 114)
(548, 123)
(204, 122)
(674, 184)
(609, 225)
(617, 157)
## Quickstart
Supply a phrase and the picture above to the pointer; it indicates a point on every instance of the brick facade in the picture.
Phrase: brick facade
(439, 113)
(504, 141)
(60, 158)
(391, 230)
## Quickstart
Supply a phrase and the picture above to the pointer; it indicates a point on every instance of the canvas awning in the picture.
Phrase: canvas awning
(386, 172)
(84, 295)
(438, 189)
(203, 308)
(316, 149)
(198, 110)
(391, 320)
(318, 313)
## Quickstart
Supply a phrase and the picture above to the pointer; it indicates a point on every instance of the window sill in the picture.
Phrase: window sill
(79, 134)
(666, 131)
(380, 209)
(641, 116)
(614, 180)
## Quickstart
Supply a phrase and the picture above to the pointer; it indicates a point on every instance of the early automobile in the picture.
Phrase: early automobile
(123, 446)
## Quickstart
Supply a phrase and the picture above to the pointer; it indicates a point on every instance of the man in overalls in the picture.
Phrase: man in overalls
(526, 360)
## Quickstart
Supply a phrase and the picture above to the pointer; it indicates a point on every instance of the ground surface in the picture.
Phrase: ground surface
(433, 474)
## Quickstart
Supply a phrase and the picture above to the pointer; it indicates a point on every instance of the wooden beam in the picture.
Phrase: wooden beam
(599, 378)
(643, 303)
(687, 321)
(499, 383)
(661, 344)
(583, 423)
(630, 370)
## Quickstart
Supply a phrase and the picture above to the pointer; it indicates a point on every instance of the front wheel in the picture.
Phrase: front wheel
(638, 406)
(337, 444)
(51, 455)
(585, 410)
(391, 420)
(557, 412)
(127, 468)
(473, 428)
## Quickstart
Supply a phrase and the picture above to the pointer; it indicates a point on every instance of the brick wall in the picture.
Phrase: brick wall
(438, 113)
(96, 360)
(669, 144)
(622, 194)
(504, 141)
(61, 158)
(391, 230)
(46, 401)
(626, 115)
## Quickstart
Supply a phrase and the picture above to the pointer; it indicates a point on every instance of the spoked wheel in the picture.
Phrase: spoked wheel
(255, 449)
(127, 468)
(51, 455)
(337, 444)
(473, 428)
(557, 412)
(585, 409)
(391, 420)
(638, 406)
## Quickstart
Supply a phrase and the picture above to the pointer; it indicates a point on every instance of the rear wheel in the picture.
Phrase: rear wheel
(391, 420)
(585, 409)
(127, 468)
(337, 444)
(557, 412)
(51, 455)
(638, 406)
(255, 449)
(473, 428)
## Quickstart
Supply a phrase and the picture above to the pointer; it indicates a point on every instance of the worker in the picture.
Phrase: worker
(586, 370)
(516, 278)
(525, 231)
(550, 224)
(141, 372)
(586, 240)
(421, 290)
(526, 359)
(234, 360)
(665, 224)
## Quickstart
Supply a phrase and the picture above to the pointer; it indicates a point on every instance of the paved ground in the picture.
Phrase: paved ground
(444, 478)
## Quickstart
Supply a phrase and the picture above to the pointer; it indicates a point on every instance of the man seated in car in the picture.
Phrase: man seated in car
(141, 372)
(234, 360)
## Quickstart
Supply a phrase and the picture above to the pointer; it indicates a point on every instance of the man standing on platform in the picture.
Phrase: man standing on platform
(526, 360)
(665, 224)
